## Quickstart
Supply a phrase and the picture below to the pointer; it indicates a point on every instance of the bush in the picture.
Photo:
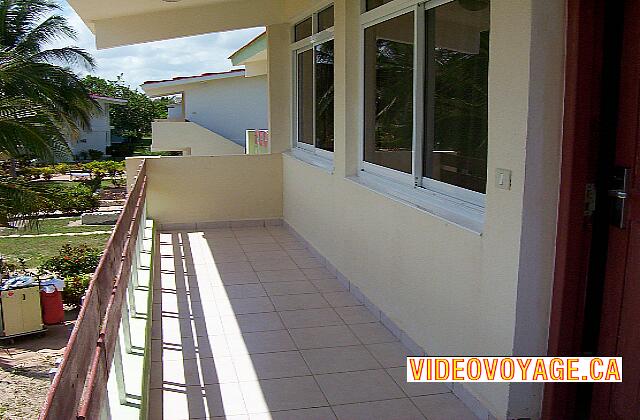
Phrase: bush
(75, 288)
(47, 172)
(95, 154)
(74, 199)
(62, 168)
(73, 261)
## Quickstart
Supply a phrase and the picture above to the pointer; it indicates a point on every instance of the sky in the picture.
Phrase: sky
(162, 59)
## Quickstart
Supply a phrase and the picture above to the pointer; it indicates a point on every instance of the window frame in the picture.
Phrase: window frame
(298, 47)
(422, 186)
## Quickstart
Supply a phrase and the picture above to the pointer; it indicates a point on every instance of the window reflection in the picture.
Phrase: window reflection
(389, 93)
(324, 96)
(457, 55)
(305, 96)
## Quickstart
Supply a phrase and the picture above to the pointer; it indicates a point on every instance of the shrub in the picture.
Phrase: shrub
(73, 261)
(62, 168)
(74, 199)
(47, 172)
(75, 288)
(95, 154)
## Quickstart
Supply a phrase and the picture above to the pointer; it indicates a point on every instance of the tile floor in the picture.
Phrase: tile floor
(249, 325)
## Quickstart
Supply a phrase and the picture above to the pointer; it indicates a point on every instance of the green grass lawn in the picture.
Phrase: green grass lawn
(36, 250)
(59, 225)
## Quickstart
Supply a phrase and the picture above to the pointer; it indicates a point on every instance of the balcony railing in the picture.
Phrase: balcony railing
(79, 388)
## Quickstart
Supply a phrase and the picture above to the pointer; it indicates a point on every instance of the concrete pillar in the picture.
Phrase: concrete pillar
(347, 87)
(279, 82)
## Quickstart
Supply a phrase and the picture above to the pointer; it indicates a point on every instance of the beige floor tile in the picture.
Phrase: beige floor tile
(415, 389)
(309, 317)
(261, 247)
(270, 366)
(355, 315)
(217, 370)
(207, 326)
(390, 354)
(289, 288)
(234, 267)
(247, 323)
(339, 299)
(245, 306)
(261, 342)
(339, 359)
(328, 285)
(292, 245)
(224, 400)
(211, 346)
(281, 275)
(299, 253)
(274, 264)
(295, 302)
(317, 273)
(318, 413)
(400, 409)
(318, 337)
(239, 291)
(242, 277)
(372, 333)
(257, 239)
(443, 407)
(282, 394)
(229, 257)
(361, 386)
(308, 262)
(266, 255)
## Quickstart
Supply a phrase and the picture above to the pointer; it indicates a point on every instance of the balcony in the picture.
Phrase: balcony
(243, 317)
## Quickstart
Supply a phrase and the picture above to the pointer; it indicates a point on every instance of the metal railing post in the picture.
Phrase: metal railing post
(117, 363)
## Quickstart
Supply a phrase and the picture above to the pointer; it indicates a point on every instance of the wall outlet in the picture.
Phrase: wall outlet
(503, 179)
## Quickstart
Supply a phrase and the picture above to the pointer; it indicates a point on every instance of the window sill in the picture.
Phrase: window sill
(464, 215)
(312, 159)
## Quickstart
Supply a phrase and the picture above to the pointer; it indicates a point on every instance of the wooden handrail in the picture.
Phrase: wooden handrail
(80, 384)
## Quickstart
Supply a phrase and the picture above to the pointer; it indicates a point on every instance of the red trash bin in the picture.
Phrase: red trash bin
(52, 309)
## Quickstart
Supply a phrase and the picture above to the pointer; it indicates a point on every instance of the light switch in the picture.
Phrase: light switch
(503, 179)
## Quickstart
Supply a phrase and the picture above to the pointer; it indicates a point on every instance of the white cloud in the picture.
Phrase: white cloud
(161, 59)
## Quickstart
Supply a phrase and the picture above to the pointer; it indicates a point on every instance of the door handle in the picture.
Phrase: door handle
(619, 193)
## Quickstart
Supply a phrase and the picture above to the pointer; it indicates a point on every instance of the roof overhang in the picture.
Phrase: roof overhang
(178, 84)
(124, 22)
(254, 50)
(109, 99)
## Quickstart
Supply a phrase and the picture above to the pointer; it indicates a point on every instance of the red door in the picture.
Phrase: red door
(620, 325)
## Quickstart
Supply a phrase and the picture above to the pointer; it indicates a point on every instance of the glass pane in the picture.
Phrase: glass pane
(324, 96)
(457, 94)
(303, 29)
(305, 97)
(388, 101)
(325, 19)
(372, 4)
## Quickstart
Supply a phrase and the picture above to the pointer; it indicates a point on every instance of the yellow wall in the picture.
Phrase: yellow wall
(453, 291)
(191, 138)
(189, 189)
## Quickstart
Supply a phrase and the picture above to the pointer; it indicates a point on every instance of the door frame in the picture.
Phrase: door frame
(586, 129)
(582, 108)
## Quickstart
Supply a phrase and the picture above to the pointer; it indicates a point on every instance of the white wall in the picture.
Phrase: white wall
(191, 139)
(228, 106)
(98, 137)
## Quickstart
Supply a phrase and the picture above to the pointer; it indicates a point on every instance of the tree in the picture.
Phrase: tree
(134, 119)
(42, 101)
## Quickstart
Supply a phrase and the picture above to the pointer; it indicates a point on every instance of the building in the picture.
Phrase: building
(467, 170)
(98, 137)
(215, 110)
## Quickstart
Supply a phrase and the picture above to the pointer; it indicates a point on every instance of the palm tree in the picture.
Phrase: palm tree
(42, 101)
